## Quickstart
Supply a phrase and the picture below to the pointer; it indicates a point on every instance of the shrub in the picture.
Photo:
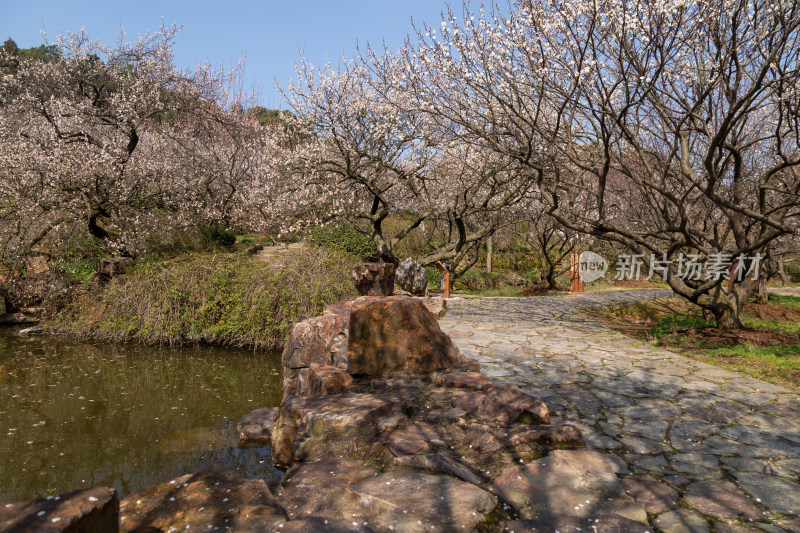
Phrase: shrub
(221, 236)
(226, 299)
(477, 280)
(345, 238)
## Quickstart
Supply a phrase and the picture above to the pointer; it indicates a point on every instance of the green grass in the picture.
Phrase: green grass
(785, 327)
(767, 363)
(788, 301)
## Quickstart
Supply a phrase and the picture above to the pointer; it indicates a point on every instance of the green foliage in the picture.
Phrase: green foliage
(345, 238)
(15, 53)
(82, 269)
(226, 299)
(434, 278)
(272, 117)
(221, 236)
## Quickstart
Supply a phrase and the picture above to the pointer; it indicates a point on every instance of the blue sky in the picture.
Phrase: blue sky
(270, 33)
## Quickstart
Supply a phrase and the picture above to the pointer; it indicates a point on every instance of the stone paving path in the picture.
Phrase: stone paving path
(703, 448)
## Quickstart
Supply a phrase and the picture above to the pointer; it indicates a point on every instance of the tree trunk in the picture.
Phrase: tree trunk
(782, 273)
(726, 319)
(489, 253)
(763, 295)
(543, 271)
(726, 308)
(551, 278)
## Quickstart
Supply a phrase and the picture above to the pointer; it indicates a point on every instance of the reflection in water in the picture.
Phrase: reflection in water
(75, 415)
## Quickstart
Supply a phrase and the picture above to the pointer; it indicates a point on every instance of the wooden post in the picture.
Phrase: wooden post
(446, 278)
(575, 282)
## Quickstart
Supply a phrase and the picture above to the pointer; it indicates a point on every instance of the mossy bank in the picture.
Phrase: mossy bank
(223, 299)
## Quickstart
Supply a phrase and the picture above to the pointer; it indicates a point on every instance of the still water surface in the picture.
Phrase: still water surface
(76, 414)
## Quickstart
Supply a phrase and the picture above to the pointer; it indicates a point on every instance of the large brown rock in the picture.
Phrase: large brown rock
(315, 381)
(374, 279)
(466, 380)
(489, 439)
(312, 341)
(438, 462)
(319, 343)
(207, 501)
(326, 380)
(311, 428)
(396, 335)
(504, 404)
(85, 511)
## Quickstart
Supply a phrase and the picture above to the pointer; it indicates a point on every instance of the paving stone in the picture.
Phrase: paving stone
(640, 412)
(693, 429)
(620, 467)
(776, 493)
(609, 429)
(650, 429)
(587, 403)
(724, 527)
(656, 497)
(681, 521)
(721, 499)
(643, 446)
(744, 464)
(675, 481)
(726, 447)
(782, 443)
(652, 463)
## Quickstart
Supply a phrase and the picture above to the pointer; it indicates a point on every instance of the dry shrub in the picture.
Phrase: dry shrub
(228, 299)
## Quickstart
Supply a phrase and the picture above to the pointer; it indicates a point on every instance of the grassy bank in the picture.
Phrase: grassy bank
(227, 299)
(767, 348)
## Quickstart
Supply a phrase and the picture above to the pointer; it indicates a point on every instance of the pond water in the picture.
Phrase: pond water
(76, 414)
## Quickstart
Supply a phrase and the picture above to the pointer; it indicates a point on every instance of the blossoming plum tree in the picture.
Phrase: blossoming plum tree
(666, 127)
